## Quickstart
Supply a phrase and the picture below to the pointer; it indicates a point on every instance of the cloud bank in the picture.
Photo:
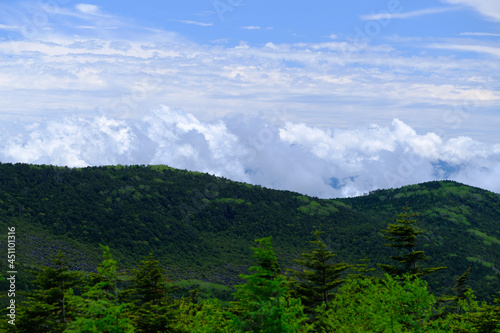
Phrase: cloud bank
(275, 153)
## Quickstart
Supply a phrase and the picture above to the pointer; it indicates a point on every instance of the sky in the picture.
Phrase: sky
(326, 98)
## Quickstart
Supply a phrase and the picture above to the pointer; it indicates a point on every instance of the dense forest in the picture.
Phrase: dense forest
(314, 298)
(198, 232)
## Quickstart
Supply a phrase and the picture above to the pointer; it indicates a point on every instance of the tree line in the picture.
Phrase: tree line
(321, 296)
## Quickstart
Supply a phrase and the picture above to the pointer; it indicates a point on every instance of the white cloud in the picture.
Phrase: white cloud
(202, 24)
(488, 8)
(333, 84)
(121, 74)
(489, 34)
(9, 27)
(492, 50)
(88, 9)
(405, 15)
(251, 27)
(161, 67)
(324, 162)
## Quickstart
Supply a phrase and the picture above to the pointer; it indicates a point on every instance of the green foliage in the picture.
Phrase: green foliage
(151, 308)
(480, 261)
(207, 317)
(315, 208)
(366, 305)
(47, 309)
(207, 290)
(201, 226)
(488, 240)
(485, 319)
(403, 237)
(262, 306)
(460, 287)
(98, 309)
(476, 318)
(319, 276)
(148, 282)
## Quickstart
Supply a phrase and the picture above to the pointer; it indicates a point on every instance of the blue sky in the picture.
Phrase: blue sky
(329, 98)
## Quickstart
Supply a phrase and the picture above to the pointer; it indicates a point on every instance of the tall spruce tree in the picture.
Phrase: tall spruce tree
(99, 309)
(460, 289)
(319, 275)
(261, 304)
(403, 236)
(47, 308)
(151, 308)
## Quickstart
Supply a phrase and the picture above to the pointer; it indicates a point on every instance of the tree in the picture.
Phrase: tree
(207, 317)
(319, 276)
(487, 319)
(384, 305)
(47, 309)
(362, 270)
(98, 309)
(262, 306)
(460, 290)
(151, 308)
(403, 237)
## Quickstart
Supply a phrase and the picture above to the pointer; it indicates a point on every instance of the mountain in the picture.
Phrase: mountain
(201, 226)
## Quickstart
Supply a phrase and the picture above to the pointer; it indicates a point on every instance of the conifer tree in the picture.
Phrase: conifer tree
(261, 305)
(318, 276)
(487, 319)
(148, 282)
(47, 309)
(151, 309)
(99, 309)
(460, 288)
(361, 270)
(460, 296)
(403, 236)
(382, 305)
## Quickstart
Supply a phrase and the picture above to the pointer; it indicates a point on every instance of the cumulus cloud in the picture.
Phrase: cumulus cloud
(324, 162)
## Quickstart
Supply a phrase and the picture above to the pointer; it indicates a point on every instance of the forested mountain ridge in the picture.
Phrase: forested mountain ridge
(201, 226)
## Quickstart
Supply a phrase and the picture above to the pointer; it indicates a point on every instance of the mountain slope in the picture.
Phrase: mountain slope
(201, 226)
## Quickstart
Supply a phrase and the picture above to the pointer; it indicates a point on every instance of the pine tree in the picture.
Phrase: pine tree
(319, 276)
(99, 309)
(488, 318)
(460, 289)
(261, 305)
(152, 309)
(362, 270)
(47, 309)
(460, 296)
(403, 237)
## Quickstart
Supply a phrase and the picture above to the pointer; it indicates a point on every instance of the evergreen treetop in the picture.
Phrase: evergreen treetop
(402, 236)
(319, 275)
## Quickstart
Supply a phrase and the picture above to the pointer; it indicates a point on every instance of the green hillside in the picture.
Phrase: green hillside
(201, 227)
